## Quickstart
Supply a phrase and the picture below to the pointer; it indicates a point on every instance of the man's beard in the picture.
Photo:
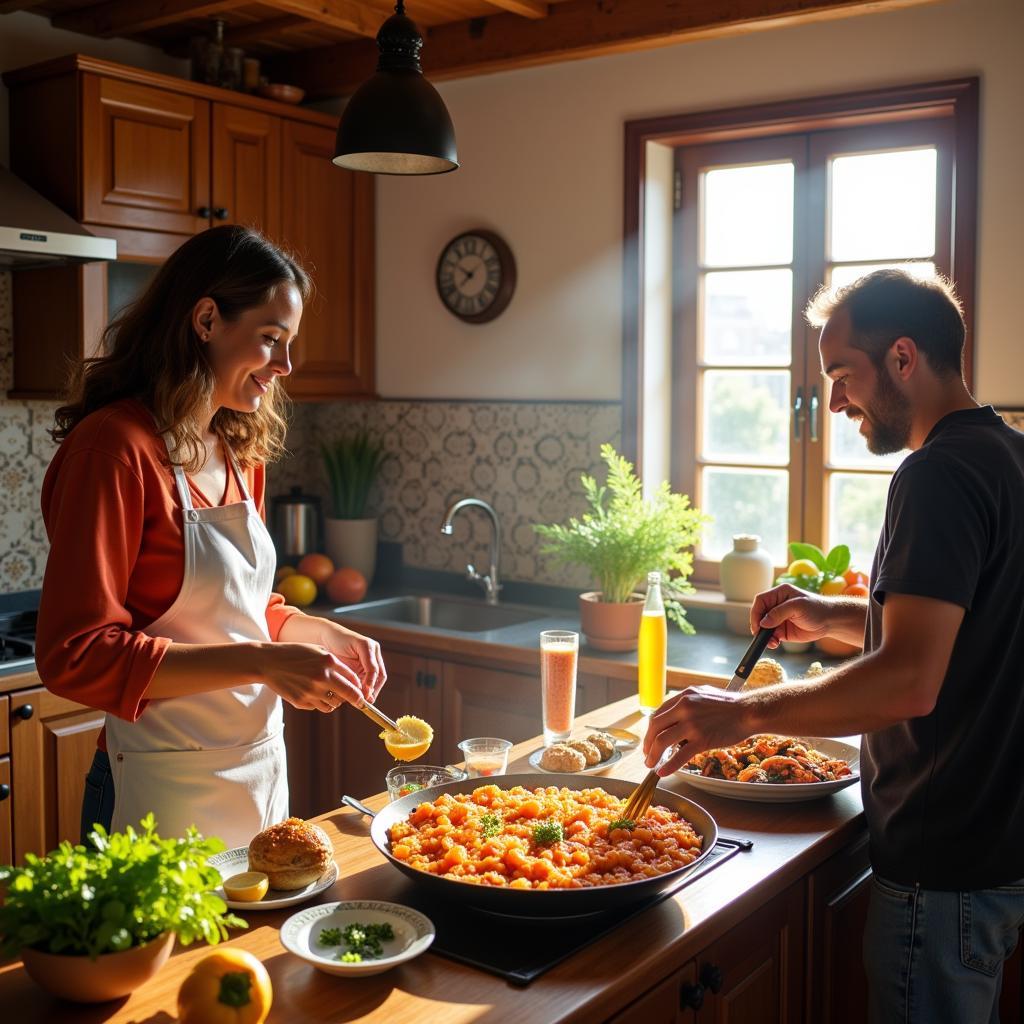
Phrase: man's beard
(888, 417)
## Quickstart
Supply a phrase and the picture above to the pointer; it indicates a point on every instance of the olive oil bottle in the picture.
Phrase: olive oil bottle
(653, 648)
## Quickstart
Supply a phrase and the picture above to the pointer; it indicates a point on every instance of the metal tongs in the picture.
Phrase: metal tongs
(378, 716)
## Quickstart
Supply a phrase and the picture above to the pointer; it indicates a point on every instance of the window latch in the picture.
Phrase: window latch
(813, 421)
(798, 414)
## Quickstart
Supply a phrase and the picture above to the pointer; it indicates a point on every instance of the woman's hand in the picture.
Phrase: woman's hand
(308, 676)
(359, 653)
(795, 615)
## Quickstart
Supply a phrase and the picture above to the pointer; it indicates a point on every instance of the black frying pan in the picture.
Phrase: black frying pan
(540, 902)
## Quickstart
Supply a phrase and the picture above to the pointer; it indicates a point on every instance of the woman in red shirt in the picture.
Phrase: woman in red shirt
(157, 603)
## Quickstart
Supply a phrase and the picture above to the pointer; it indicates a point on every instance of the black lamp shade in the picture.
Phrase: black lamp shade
(396, 122)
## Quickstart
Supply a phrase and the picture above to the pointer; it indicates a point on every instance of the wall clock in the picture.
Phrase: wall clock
(476, 276)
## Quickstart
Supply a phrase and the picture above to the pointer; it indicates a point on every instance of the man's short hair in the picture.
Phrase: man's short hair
(890, 304)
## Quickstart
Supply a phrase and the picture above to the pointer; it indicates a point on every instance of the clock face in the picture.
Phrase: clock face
(476, 276)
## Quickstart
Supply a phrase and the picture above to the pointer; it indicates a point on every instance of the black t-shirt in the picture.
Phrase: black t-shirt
(944, 793)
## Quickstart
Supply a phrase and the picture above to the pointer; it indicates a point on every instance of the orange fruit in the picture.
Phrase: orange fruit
(317, 567)
(856, 590)
(346, 586)
(852, 576)
(836, 586)
(297, 589)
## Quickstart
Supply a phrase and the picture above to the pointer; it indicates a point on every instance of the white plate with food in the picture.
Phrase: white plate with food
(357, 937)
(780, 792)
(593, 769)
(235, 862)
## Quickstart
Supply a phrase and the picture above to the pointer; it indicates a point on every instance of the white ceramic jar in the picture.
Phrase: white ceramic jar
(747, 569)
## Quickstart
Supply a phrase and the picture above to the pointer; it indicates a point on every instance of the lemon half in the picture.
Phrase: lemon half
(247, 887)
(412, 742)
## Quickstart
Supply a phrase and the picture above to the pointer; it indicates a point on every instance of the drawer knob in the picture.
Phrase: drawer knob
(205, 212)
(220, 212)
(5, 791)
(691, 997)
(25, 712)
(711, 977)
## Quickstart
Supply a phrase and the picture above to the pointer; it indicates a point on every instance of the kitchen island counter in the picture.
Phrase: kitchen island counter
(790, 841)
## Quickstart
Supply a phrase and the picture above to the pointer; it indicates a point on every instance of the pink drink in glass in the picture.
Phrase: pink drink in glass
(559, 651)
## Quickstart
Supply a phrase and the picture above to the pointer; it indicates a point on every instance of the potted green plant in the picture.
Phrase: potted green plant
(93, 924)
(619, 540)
(352, 463)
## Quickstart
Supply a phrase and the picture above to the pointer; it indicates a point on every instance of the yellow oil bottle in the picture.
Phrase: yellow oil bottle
(652, 655)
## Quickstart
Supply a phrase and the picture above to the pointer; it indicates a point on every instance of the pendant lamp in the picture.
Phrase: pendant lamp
(396, 122)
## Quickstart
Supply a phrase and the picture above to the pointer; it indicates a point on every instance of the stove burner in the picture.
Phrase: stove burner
(17, 639)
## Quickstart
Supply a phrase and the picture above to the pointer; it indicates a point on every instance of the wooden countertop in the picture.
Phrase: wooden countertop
(789, 841)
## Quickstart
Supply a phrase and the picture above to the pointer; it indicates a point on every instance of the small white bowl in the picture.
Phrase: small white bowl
(413, 934)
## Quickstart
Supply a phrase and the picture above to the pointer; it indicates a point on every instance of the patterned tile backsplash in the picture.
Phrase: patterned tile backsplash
(525, 459)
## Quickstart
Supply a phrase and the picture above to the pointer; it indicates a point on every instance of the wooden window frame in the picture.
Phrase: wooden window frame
(956, 99)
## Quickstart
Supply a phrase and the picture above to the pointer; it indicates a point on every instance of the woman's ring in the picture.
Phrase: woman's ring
(330, 694)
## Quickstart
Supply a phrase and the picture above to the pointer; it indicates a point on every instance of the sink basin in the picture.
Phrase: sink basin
(441, 613)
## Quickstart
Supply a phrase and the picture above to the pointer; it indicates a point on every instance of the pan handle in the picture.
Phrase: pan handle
(352, 802)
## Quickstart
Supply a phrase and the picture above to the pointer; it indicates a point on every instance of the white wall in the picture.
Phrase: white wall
(29, 38)
(542, 155)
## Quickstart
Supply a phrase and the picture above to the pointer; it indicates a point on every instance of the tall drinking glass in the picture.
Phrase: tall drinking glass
(559, 652)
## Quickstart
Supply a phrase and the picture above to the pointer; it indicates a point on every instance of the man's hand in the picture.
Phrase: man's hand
(798, 616)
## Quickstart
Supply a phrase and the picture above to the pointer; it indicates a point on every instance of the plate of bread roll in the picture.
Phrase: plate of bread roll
(284, 864)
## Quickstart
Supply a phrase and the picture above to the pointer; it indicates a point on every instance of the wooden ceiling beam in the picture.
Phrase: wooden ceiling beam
(571, 31)
(358, 18)
(129, 17)
(262, 31)
(524, 8)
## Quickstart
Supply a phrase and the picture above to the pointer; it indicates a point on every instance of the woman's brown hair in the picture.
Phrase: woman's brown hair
(153, 354)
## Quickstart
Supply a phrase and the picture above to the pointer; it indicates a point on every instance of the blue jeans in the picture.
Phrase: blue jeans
(936, 957)
(98, 798)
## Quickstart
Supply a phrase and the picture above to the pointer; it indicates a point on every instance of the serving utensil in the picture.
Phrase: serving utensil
(378, 716)
(749, 660)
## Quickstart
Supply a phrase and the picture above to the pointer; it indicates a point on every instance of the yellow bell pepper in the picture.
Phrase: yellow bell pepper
(229, 986)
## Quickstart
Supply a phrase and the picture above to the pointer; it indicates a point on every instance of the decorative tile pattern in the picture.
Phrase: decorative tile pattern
(25, 452)
(525, 459)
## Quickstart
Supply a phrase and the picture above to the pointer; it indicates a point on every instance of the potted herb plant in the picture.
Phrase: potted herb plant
(93, 924)
(620, 539)
(352, 464)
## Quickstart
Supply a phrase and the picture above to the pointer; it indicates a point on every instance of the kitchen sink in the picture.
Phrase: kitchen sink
(462, 616)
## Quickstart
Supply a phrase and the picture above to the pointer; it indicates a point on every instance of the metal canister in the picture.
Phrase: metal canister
(297, 524)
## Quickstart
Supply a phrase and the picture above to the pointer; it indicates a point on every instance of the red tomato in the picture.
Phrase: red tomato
(852, 577)
(346, 586)
(317, 567)
(856, 590)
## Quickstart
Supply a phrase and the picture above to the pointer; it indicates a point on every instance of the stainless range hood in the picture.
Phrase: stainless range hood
(35, 233)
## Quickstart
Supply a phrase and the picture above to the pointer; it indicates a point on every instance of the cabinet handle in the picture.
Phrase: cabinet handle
(5, 791)
(711, 978)
(798, 414)
(25, 712)
(419, 678)
(220, 212)
(205, 212)
(814, 415)
(691, 997)
(430, 681)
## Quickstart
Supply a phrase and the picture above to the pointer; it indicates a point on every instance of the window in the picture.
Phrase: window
(761, 222)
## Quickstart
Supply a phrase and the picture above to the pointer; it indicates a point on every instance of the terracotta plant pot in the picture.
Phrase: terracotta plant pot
(608, 626)
(836, 648)
(109, 976)
(352, 544)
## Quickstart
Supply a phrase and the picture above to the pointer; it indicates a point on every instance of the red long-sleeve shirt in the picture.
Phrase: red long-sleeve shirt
(117, 559)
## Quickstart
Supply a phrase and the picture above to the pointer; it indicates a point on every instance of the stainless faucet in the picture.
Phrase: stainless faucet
(490, 581)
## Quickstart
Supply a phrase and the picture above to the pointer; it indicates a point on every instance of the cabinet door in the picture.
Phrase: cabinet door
(145, 156)
(838, 894)
(53, 741)
(246, 168)
(6, 845)
(327, 218)
(753, 974)
(666, 1003)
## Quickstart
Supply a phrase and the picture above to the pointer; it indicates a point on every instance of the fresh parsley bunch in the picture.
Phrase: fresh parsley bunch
(130, 888)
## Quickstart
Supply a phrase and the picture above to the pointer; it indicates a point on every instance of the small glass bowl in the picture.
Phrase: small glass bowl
(485, 756)
(408, 778)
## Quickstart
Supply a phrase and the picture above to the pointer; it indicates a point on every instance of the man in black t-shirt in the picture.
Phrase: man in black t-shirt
(939, 691)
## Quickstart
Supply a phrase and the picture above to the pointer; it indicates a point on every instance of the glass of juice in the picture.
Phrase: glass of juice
(559, 652)
(485, 756)
(652, 648)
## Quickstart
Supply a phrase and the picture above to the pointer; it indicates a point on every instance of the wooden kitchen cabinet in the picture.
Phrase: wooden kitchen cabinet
(53, 741)
(663, 1004)
(6, 831)
(151, 160)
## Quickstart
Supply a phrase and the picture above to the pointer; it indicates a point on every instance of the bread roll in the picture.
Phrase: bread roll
(292, 853)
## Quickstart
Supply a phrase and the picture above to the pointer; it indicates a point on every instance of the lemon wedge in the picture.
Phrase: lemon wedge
(412, 742)
(247, 887)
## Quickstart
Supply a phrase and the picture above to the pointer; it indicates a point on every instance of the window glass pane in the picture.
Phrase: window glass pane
(856, 509)
(748, 215)
(748, 317)
(839, 277)
(847, 447)
(745, 501)
(746, 416)
(883, 205)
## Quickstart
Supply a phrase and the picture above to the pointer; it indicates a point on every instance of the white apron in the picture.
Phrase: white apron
(215, 760)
